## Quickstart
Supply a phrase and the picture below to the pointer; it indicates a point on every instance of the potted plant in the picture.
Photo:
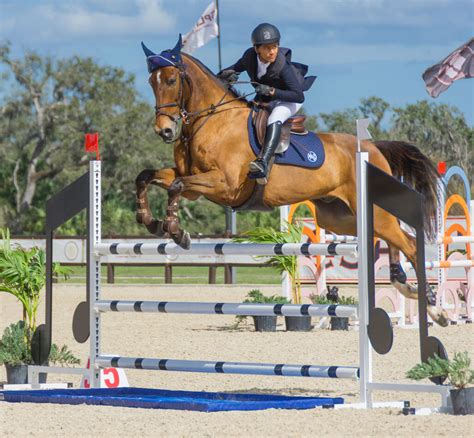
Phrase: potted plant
(333, 297)
(262, 323)
(22, 274)
(289, 264)
(15, 354)
(458, 374)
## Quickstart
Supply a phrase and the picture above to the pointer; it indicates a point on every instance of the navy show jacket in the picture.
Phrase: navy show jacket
(287, 77)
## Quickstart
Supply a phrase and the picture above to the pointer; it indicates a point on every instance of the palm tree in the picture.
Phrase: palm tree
(22, 274)
(289, 264)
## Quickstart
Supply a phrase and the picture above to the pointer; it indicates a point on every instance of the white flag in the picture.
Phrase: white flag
(204, 30)
(362, 131)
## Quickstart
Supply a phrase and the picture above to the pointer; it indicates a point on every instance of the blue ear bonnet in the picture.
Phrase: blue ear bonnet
(166, 58)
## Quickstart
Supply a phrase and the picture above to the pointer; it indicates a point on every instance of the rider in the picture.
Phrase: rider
(277, 81)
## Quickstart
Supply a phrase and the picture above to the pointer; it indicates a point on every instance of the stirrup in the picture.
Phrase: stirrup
(258, 175)
(257, 166)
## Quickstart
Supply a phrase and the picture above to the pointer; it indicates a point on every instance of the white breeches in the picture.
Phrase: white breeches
(282, 111)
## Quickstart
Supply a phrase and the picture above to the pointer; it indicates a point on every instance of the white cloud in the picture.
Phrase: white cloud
(69, 19)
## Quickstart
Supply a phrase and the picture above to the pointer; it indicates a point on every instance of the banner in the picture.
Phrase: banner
(205, 29)
(457, 65)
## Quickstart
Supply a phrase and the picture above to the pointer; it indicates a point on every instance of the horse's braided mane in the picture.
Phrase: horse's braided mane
(205, 69)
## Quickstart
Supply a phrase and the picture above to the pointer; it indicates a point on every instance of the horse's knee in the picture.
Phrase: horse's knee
(143, 178)
(176, 187)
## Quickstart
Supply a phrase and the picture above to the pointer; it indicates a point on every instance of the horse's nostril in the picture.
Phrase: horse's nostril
(168, 132)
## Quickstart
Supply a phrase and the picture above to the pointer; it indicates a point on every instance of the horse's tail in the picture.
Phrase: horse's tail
(417, 170)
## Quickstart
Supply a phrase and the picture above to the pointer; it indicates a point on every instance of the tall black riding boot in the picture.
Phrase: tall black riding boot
(258, 168)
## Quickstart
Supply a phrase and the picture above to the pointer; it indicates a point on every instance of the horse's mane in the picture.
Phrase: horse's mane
(216, 80)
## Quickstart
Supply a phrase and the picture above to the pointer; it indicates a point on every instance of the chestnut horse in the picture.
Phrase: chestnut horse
(212, 154)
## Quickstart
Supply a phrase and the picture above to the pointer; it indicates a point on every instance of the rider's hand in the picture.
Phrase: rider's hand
(264, 90)
(228, 75)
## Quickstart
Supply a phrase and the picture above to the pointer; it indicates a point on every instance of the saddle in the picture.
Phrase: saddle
(294, 125)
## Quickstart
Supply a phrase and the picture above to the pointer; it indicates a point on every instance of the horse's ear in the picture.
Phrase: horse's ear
(147, 51)
(179, 45)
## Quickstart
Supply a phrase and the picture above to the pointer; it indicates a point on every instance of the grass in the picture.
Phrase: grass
(181, 275)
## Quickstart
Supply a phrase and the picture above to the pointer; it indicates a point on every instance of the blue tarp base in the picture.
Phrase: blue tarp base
(166, 399)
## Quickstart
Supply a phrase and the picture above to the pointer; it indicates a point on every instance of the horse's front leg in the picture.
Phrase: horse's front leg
(206, 184)
(163, 178)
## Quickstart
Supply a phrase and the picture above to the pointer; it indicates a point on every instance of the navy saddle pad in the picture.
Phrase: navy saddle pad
(304, 150)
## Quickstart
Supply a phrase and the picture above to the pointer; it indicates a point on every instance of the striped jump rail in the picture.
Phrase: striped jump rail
(444, 264)
(340, 238)
(202, 366)
(253, 249)
(454, 239)
(243, 309)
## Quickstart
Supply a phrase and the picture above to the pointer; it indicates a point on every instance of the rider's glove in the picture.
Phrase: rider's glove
(228, 75)
(264, 90)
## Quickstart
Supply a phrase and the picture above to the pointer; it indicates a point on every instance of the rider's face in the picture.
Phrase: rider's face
(267, 52)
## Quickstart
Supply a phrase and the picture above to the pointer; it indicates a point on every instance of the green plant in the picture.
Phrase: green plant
(322, 299)
(289, 264)
(347, 301)
(62, 356)
(23, 274)
(456, 371)
(255, 296)
(15, 348)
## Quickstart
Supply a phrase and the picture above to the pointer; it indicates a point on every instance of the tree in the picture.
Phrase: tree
(375, 108)
(49, 107)
(440, 130)
(372, 107)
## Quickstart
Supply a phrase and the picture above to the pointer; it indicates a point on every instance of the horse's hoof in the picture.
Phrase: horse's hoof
(156, 228)
(183, 240)
(440, 317)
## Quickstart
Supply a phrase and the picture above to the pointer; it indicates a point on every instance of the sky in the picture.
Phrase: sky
(357, 48)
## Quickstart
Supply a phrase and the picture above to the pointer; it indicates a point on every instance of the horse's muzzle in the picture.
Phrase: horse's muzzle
(167, 134)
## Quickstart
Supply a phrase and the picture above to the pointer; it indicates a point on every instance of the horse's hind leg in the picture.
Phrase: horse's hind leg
(387, 227)
(335, 217)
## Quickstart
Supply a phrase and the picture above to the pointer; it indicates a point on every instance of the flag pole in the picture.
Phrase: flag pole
(230, 216)
(218, 35)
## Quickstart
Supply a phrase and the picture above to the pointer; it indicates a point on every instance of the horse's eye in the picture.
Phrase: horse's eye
(171, 82)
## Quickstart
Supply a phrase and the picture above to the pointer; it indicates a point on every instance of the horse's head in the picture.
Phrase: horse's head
(167, 79)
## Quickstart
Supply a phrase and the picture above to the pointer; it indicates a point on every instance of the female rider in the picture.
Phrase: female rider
(277, 81)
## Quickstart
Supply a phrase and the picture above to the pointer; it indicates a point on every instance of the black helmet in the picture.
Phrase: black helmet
(265, 33)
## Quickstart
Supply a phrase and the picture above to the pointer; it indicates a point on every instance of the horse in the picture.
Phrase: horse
(212, 154)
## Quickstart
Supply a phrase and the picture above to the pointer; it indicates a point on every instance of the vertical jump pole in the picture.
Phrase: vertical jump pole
(285, 279)
(440, 226)
(364, 242)
(94, 269)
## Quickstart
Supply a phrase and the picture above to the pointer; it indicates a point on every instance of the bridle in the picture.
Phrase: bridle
(182, 113)
(185, 115)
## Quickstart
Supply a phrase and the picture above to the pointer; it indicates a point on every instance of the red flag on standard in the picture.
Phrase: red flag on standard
(92, 143)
